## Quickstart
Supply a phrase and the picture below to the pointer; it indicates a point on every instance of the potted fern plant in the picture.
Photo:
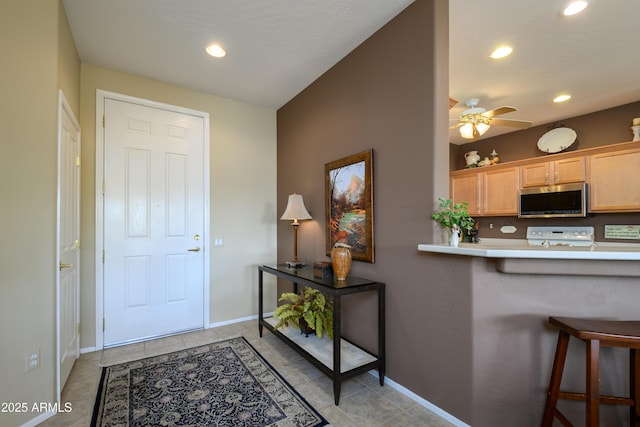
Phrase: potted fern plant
(455, 217)
(310, 311)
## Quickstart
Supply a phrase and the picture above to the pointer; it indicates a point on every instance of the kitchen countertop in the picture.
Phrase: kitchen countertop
(519, 249)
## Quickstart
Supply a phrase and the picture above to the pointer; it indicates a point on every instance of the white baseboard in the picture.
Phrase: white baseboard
(87, 350)
(242, 319)
(423, 402)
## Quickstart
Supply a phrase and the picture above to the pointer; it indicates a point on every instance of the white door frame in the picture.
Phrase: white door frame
(64, 109)
(101, 95)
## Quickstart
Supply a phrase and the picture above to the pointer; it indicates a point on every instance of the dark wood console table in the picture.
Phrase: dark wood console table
(340, 358)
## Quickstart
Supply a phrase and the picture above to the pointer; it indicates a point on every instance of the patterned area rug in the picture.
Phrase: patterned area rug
(225, 383)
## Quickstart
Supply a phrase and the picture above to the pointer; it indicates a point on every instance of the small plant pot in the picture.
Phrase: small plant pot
(305, 328)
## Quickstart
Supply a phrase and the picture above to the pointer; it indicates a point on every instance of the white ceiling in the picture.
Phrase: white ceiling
(593, 56)
(277, 48)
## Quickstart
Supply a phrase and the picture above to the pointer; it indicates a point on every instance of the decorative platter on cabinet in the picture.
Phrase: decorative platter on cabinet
(557, 140)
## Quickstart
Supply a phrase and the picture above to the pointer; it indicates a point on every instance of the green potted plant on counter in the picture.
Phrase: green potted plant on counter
(310, 311)
(455, 217)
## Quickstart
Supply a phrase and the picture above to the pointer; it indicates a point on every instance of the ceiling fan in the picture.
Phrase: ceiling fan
(476, 121)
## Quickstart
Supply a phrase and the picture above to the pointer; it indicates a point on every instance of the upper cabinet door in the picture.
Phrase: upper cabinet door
(500, 192)
(614, 181)
(555, 172)
(535, 175)
(569, 170)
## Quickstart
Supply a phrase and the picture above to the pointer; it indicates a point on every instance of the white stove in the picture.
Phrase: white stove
(560, 236)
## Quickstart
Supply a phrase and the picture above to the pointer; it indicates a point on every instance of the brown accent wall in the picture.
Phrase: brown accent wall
(384, 96)
(464, 337)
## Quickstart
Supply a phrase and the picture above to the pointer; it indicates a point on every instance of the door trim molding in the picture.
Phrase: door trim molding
(101, 96)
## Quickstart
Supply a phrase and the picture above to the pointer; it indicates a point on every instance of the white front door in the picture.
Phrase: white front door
(68, 232)
(153, 222)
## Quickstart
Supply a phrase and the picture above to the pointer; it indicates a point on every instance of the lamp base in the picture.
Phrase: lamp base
(295, 264)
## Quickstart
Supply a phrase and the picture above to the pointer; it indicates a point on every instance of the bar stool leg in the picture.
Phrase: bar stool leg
(593, 383)
(556, 377)
(634, 387)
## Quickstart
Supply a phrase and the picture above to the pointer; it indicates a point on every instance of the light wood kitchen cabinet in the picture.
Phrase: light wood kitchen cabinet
(614, 181)
(492, 192)
(466, 188)
(560, 171)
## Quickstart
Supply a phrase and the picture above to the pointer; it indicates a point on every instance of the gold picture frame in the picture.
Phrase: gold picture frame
(349, 204)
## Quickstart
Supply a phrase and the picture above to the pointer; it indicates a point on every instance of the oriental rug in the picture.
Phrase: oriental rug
(226, 383)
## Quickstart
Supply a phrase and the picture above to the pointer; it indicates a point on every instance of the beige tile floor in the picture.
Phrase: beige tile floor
(362, 401)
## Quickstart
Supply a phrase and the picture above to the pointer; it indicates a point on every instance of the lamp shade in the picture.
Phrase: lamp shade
(295, 209)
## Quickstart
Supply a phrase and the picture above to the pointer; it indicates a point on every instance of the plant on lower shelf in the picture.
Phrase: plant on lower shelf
(312, 306)
(453, 215)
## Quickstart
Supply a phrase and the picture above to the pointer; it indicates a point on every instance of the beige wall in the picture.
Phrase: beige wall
(38, 59)
(243, 190)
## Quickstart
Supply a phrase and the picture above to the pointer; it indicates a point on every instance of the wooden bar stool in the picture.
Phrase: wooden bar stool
(596, 334)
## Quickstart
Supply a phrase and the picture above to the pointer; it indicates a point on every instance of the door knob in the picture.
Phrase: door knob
(196, 249)
(63, 265)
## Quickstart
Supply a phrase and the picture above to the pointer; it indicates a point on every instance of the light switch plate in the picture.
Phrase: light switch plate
(629, 232)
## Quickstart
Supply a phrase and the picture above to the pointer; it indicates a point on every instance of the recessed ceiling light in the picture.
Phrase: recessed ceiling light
(501, 52)
(561, 98)
(216, 50)
(575, 7)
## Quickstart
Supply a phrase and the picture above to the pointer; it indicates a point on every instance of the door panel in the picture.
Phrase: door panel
(153, 209)
(68, 271)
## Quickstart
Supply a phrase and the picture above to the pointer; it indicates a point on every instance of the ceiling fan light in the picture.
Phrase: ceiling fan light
(574, 7)
(482, 128)
(501, 52)
(466, 131)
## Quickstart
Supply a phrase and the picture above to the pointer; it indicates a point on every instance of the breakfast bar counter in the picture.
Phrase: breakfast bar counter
(518, 257)
(504, 248)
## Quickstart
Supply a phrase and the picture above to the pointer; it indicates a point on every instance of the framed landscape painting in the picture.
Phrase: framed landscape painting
(349, 204)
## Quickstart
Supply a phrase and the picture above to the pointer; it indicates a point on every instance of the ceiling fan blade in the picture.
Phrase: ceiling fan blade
(497, 111)
(457, 125)
(520, 124)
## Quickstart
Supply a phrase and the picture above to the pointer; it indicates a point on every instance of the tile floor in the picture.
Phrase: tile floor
(362, 401)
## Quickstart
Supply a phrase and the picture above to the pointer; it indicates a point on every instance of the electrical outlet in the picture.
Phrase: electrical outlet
(218, 242)
(33, 360)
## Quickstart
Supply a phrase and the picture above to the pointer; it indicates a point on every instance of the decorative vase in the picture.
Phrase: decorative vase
(341, 260)
(636, 132)
(472, 157)
(455, 237)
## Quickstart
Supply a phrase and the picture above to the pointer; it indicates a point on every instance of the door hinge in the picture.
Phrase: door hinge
(78, 328)
(103, 324)
(77, 244)
(103, 256)
(103, 120)
(78, 161)
(103, 187)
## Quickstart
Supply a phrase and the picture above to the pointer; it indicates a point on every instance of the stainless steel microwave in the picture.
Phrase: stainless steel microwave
(554, 201)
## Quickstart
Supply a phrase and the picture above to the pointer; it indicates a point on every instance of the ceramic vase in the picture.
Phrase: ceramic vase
(455, 238)
(341, 261)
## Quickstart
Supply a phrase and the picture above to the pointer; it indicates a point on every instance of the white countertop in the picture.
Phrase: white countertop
(513, 248)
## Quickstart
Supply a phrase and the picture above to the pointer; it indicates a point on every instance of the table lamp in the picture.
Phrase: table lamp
(295, 212)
